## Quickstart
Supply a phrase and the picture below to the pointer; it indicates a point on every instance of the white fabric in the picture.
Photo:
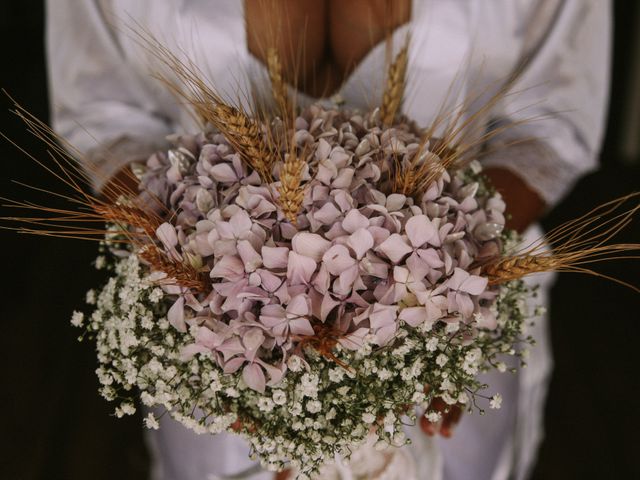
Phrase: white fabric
(103, 95)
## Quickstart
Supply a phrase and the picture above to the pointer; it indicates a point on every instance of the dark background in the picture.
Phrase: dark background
(55, 426)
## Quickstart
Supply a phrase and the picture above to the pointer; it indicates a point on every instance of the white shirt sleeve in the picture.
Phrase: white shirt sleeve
(99, 103)
(561, 97)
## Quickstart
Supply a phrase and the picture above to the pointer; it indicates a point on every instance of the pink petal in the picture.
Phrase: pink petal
(228, 267)
(343, 200)
(360, 241)
(414, 316)
(395, 201)
(253, 339)
(207, 338)
(166, 233)
(344, 283)
(275, 373)
(322, 279)
(455, 281)
(385, 334)
(189, 351)
(275, 257)
(418, 267)
(474, 285)
(326, 171)
(272, 315)
(379, 234)
(300, 269)
(382, 316)
(465, 304)
(431, 257)
(337, 259)
(344, 178)
(253, 376)
(301, 326)
(395, 248)
(269, 281)
(223, 172)
(298, 306)
(175, 315)
(420, 230)
(251, 259)
(240, 222)
(354, 340)
(233, 365)
(327, 214)
(400, 274)
(230, 347)
(354, 220)
(434, 309)
(328, 304)
(310, 245)
(323, 149)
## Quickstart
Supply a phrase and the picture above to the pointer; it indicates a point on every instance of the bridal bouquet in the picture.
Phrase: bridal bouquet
(311, 280)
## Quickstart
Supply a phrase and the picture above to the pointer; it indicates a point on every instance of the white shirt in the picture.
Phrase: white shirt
(104, 99)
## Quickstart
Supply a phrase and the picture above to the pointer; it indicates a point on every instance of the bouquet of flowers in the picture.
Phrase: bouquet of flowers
(307, 279)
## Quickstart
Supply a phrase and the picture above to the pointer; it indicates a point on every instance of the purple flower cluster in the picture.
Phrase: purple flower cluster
(360, 259)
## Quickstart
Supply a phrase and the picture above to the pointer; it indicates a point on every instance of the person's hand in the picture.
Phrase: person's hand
(123, 183)
(524, 206)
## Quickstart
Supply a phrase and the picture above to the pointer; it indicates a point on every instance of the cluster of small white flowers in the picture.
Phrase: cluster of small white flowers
(322, 407)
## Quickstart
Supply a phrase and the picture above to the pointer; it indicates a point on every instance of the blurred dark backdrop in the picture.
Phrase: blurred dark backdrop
(55, 426)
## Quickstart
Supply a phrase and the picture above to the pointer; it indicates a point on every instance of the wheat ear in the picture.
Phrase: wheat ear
(278, 85)
(291, 189)
(395, 85)
(574, 244)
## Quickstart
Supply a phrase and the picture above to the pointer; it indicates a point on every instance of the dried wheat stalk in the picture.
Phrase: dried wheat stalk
(184, 274)
(574, 244)
(394, 88)
(291, 189)
(246, 136)
(278, 85)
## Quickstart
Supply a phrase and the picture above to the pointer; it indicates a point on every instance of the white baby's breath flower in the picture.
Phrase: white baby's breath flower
(342, 391)
(90, 297)
(441, 360)
(336, 374)
(77, 318)
(452, 327)
(294, 363)
(151, 422)
(279, 397)
(433, 417)
(368, 417)
(314, 406)
(147, 399)
(265, 404)
(100, 262)
(496, 401)
(432, 344)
